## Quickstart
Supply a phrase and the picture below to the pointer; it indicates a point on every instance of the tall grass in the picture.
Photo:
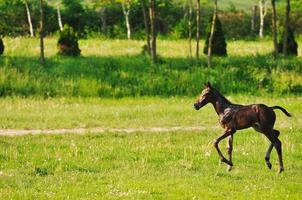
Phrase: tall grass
(116, 68)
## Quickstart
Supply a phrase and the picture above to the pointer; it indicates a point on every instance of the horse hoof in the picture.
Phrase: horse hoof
(229, 168)
(269, 165)
(281, 170)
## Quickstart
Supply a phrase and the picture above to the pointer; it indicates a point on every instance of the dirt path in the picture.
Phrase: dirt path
(14, 132)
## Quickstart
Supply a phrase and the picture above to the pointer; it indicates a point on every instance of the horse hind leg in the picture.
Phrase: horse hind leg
(269, 150)
(230, 150)
(273, 137)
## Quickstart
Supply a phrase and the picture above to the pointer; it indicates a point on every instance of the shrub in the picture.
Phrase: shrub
(68, 42)
(292, 46)
(1, 46)
(218, 44)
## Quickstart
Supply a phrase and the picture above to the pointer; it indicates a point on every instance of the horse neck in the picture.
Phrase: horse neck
(220, 103)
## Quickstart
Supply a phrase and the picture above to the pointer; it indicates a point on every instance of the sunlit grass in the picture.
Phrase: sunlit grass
(166, 48)
(126, 113)
(174, 165)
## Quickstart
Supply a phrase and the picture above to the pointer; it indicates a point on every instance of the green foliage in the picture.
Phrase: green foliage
(292, 45)
(218, 44)
(68, 42)
(116, 68)
(1, 46)
(74, 15)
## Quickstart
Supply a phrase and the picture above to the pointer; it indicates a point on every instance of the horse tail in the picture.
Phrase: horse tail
(282, 109)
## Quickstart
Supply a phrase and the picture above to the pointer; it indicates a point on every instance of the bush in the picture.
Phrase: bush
(68, 42)
(218, 44)
(292, 46)
(1, 46)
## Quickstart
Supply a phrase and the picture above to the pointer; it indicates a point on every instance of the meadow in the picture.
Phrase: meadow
(141, 165)
(112, 85)
(116, 68)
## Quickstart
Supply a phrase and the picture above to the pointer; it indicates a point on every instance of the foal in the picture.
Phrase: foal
(234, 117)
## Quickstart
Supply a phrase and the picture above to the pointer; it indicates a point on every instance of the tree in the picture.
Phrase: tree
(153, 30)
(292, 45)
(147, 25)
(1, 46)
(211, 36)
(274, 26)
(263, 12)
(253, 19)
(287, 12)
(31, 30)
(68, 42)
(197, 28)
(42, 59)
(126, 10)
(190, 27)
(73, 14)
(59, 16)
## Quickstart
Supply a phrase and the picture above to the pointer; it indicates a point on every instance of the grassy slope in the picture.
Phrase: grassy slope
(115, 68)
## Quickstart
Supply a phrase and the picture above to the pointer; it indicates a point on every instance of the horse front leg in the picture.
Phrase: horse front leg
(224, 135)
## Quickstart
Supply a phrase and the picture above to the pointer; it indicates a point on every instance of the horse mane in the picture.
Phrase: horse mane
(220, 96)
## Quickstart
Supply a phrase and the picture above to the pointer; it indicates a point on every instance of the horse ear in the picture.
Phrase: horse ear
(209, 84)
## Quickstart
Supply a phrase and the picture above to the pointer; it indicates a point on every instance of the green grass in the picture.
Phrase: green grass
(58, 113)
(175, 165)
(115, 68)
(141, 165)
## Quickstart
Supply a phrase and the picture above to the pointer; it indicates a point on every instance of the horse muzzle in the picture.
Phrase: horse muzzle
(197, 106)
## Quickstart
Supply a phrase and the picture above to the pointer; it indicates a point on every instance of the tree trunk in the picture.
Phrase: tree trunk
(126, 11)
(190, 28)
(263, 12)
(147, 26)
(59, 18)
(31, 30)
(42, 59)
(103, 19)
(274, 24)
(211, 36)
(153, 30)
(286, 28)
(197, 28)
(253, 20)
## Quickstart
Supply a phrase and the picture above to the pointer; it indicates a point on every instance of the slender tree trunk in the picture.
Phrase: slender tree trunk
(42, 59)
(153, 30)
(103, 19)
(31, 30)
(126, 11)
(253, 20)
(190, 28)
(147, 26)
(263, 12)
(286, 28)
(59, 18)
(274, 23)
(197, 28)
(211, 36)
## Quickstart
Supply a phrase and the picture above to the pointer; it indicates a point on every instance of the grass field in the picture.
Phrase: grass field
(116, 68)
(141, 165)
(72, 93)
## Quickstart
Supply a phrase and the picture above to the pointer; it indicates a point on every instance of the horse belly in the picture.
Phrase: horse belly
(245, 120)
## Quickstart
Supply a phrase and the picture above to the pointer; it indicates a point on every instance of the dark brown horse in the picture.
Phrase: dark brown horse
(233, 117)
